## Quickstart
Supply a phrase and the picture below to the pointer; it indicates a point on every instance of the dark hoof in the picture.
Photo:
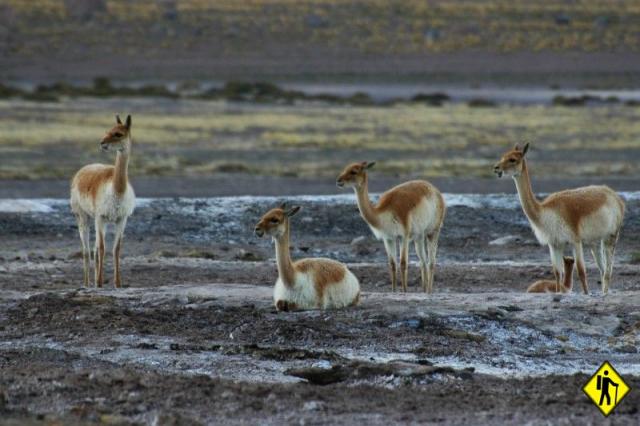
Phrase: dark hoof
(284, 306)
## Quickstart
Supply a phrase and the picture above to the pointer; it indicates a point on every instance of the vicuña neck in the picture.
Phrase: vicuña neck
(121, 177)
(530, 204)
(367, 211)
(283, 257)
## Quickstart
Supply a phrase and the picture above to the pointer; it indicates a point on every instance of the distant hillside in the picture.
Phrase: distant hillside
(194, 38)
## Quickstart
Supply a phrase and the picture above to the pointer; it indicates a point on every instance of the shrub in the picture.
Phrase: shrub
(480, 103)
(433, 99)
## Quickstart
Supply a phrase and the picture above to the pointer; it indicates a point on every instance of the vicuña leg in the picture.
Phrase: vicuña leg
(392, 255)
(83, 230)
(578, 254)
(608, 248)
(118, 232)
(432, 246)
(422, 255)
(558, 264)
(99, 252)
(404, 262)
(596, 252)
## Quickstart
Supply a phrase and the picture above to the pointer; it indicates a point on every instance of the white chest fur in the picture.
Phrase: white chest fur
(112, 206)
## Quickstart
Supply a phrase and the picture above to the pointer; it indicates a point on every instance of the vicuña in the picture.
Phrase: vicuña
(103, 192)
(412, 211)
(307, 283)
(591, 215)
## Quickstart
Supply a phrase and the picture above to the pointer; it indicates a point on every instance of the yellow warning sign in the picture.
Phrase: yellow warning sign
(606, 388)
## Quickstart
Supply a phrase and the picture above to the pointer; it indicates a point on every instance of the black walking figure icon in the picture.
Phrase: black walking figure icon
(602, 384)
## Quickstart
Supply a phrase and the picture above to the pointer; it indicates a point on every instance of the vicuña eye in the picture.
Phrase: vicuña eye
(512, 160)
(274, 220)
(354, 172)
(118, 135)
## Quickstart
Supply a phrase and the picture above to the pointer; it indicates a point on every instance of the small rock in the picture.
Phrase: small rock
(247, 256)
(201, 254)
(321, 376)
(322, 364)
(75, 255)
(113, 419)
(145, 345)
(358, 240)
(227, 394)
(461, 334)
(271, 397)
(491, 314)
(503, 241)
(4, 399)
(165, 253)
(628, 349)
(312, 406)
(511, 308)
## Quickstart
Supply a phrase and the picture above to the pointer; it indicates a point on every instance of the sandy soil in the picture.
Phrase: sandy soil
(194, 338)
(220, 353)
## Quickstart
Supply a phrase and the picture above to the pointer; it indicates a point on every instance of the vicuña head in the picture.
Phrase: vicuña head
(117, 136)
(511, 162)
(273, 223)
(307, 283)
(354, 175)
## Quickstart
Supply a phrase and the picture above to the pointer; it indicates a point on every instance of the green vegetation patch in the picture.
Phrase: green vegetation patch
(202, 137)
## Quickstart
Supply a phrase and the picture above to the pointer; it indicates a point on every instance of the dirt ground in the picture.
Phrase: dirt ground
(193, 338)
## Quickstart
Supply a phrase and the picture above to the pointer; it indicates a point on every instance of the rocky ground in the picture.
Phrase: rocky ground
(194, 338)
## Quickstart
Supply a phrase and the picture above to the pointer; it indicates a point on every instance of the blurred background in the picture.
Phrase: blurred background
(267, 97)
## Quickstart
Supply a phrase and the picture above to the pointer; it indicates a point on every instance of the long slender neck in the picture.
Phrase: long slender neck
(283, 257)
(367, 210)
(121, 177)
(568, 278)
(530, 204)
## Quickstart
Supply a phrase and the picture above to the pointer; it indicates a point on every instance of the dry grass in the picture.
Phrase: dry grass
(363, 25)
(203, 137)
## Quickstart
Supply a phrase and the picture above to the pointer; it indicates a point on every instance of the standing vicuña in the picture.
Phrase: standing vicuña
(307, 283)
(103, 192)
(410, 211)
(589, 215)
(549, 286)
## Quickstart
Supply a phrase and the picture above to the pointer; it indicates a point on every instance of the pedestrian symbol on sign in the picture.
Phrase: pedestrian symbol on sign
(606, 388)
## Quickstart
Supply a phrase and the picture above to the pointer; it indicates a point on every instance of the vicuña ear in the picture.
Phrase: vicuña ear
(516, 148)
(525, 149)
(128, 122)
(292, 211)
(118, 119)
(283, 205)
(370, 165)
